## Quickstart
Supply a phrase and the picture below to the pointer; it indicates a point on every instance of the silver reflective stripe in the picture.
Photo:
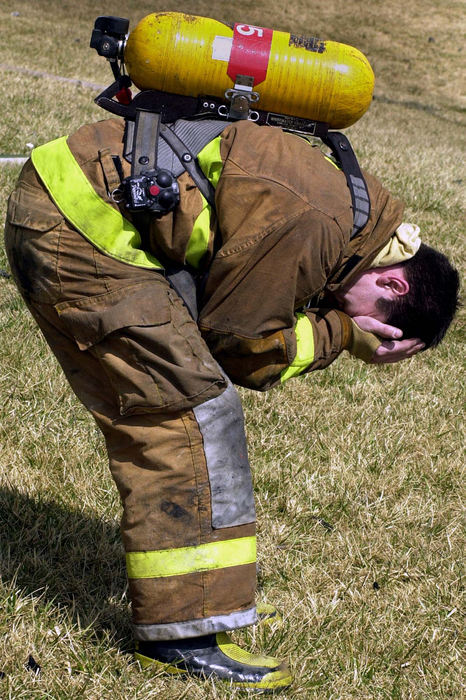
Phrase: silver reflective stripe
(221, 423)
(195, 628)
(362, 203)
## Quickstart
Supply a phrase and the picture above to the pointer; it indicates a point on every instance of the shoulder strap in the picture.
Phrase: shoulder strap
(188, 159)
(178, 145)
(345, 155)
(195, 135)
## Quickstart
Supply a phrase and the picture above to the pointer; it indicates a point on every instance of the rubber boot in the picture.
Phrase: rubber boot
(215, 656)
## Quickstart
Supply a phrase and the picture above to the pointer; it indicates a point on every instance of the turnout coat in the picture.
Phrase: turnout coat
(270, 257)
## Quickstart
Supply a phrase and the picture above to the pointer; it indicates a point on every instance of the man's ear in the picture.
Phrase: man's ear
(395, 282)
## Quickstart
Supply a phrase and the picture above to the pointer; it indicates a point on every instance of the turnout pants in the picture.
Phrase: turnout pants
(171, 419)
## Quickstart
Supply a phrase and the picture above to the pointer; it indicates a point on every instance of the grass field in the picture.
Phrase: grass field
(358, 470)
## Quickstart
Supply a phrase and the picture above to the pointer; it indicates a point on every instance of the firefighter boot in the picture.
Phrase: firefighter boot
(267, 614)
(215, 656)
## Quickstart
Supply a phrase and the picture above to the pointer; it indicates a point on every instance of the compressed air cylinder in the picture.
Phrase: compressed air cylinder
(302, 77)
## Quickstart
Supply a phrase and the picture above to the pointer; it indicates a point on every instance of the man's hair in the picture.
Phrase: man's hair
(428, 308)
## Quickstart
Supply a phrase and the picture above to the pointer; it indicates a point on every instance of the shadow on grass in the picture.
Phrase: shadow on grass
(73, 560)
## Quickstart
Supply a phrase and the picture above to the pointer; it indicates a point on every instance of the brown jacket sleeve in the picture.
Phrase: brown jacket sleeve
(262, 363)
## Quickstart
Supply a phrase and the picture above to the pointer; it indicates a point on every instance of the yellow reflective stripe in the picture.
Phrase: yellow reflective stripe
(330, 160)
(92, 216)
(200, 235)
(210, 161)
(304, 350)
(188, 560)
(241, 655)
(211, 165)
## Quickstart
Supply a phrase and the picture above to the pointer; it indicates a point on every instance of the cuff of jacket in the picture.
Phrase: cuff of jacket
(359, 343)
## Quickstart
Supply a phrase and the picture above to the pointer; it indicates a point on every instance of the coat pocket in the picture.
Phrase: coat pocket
(31, 209)
(149, 348)
(32, 232)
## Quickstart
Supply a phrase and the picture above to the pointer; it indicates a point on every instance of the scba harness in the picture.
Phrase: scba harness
(159, 153)
(165, 131)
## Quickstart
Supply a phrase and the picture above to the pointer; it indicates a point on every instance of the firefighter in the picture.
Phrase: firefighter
(155, 318)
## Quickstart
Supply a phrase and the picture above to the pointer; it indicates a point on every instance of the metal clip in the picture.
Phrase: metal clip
(241, 97)
(117, 195)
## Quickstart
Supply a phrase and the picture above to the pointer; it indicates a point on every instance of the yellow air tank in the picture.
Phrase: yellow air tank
(303, 77)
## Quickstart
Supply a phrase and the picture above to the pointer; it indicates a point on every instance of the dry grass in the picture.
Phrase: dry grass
(358, 470)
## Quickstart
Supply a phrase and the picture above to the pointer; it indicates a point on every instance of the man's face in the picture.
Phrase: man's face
(361, 296)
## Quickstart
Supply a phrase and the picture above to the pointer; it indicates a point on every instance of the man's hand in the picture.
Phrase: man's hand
(391, 349)
(396, 350)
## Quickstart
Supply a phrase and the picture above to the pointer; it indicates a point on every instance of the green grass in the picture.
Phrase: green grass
(358, 470)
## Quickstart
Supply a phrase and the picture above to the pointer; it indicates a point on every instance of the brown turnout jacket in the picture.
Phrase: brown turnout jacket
(284, 215)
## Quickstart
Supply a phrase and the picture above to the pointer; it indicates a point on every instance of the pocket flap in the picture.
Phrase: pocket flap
(90, 319)
(32, 210)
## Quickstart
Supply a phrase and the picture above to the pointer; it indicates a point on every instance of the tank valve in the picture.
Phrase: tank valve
(109, 38)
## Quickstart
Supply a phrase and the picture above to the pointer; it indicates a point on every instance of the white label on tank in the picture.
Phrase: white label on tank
(221, 48)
